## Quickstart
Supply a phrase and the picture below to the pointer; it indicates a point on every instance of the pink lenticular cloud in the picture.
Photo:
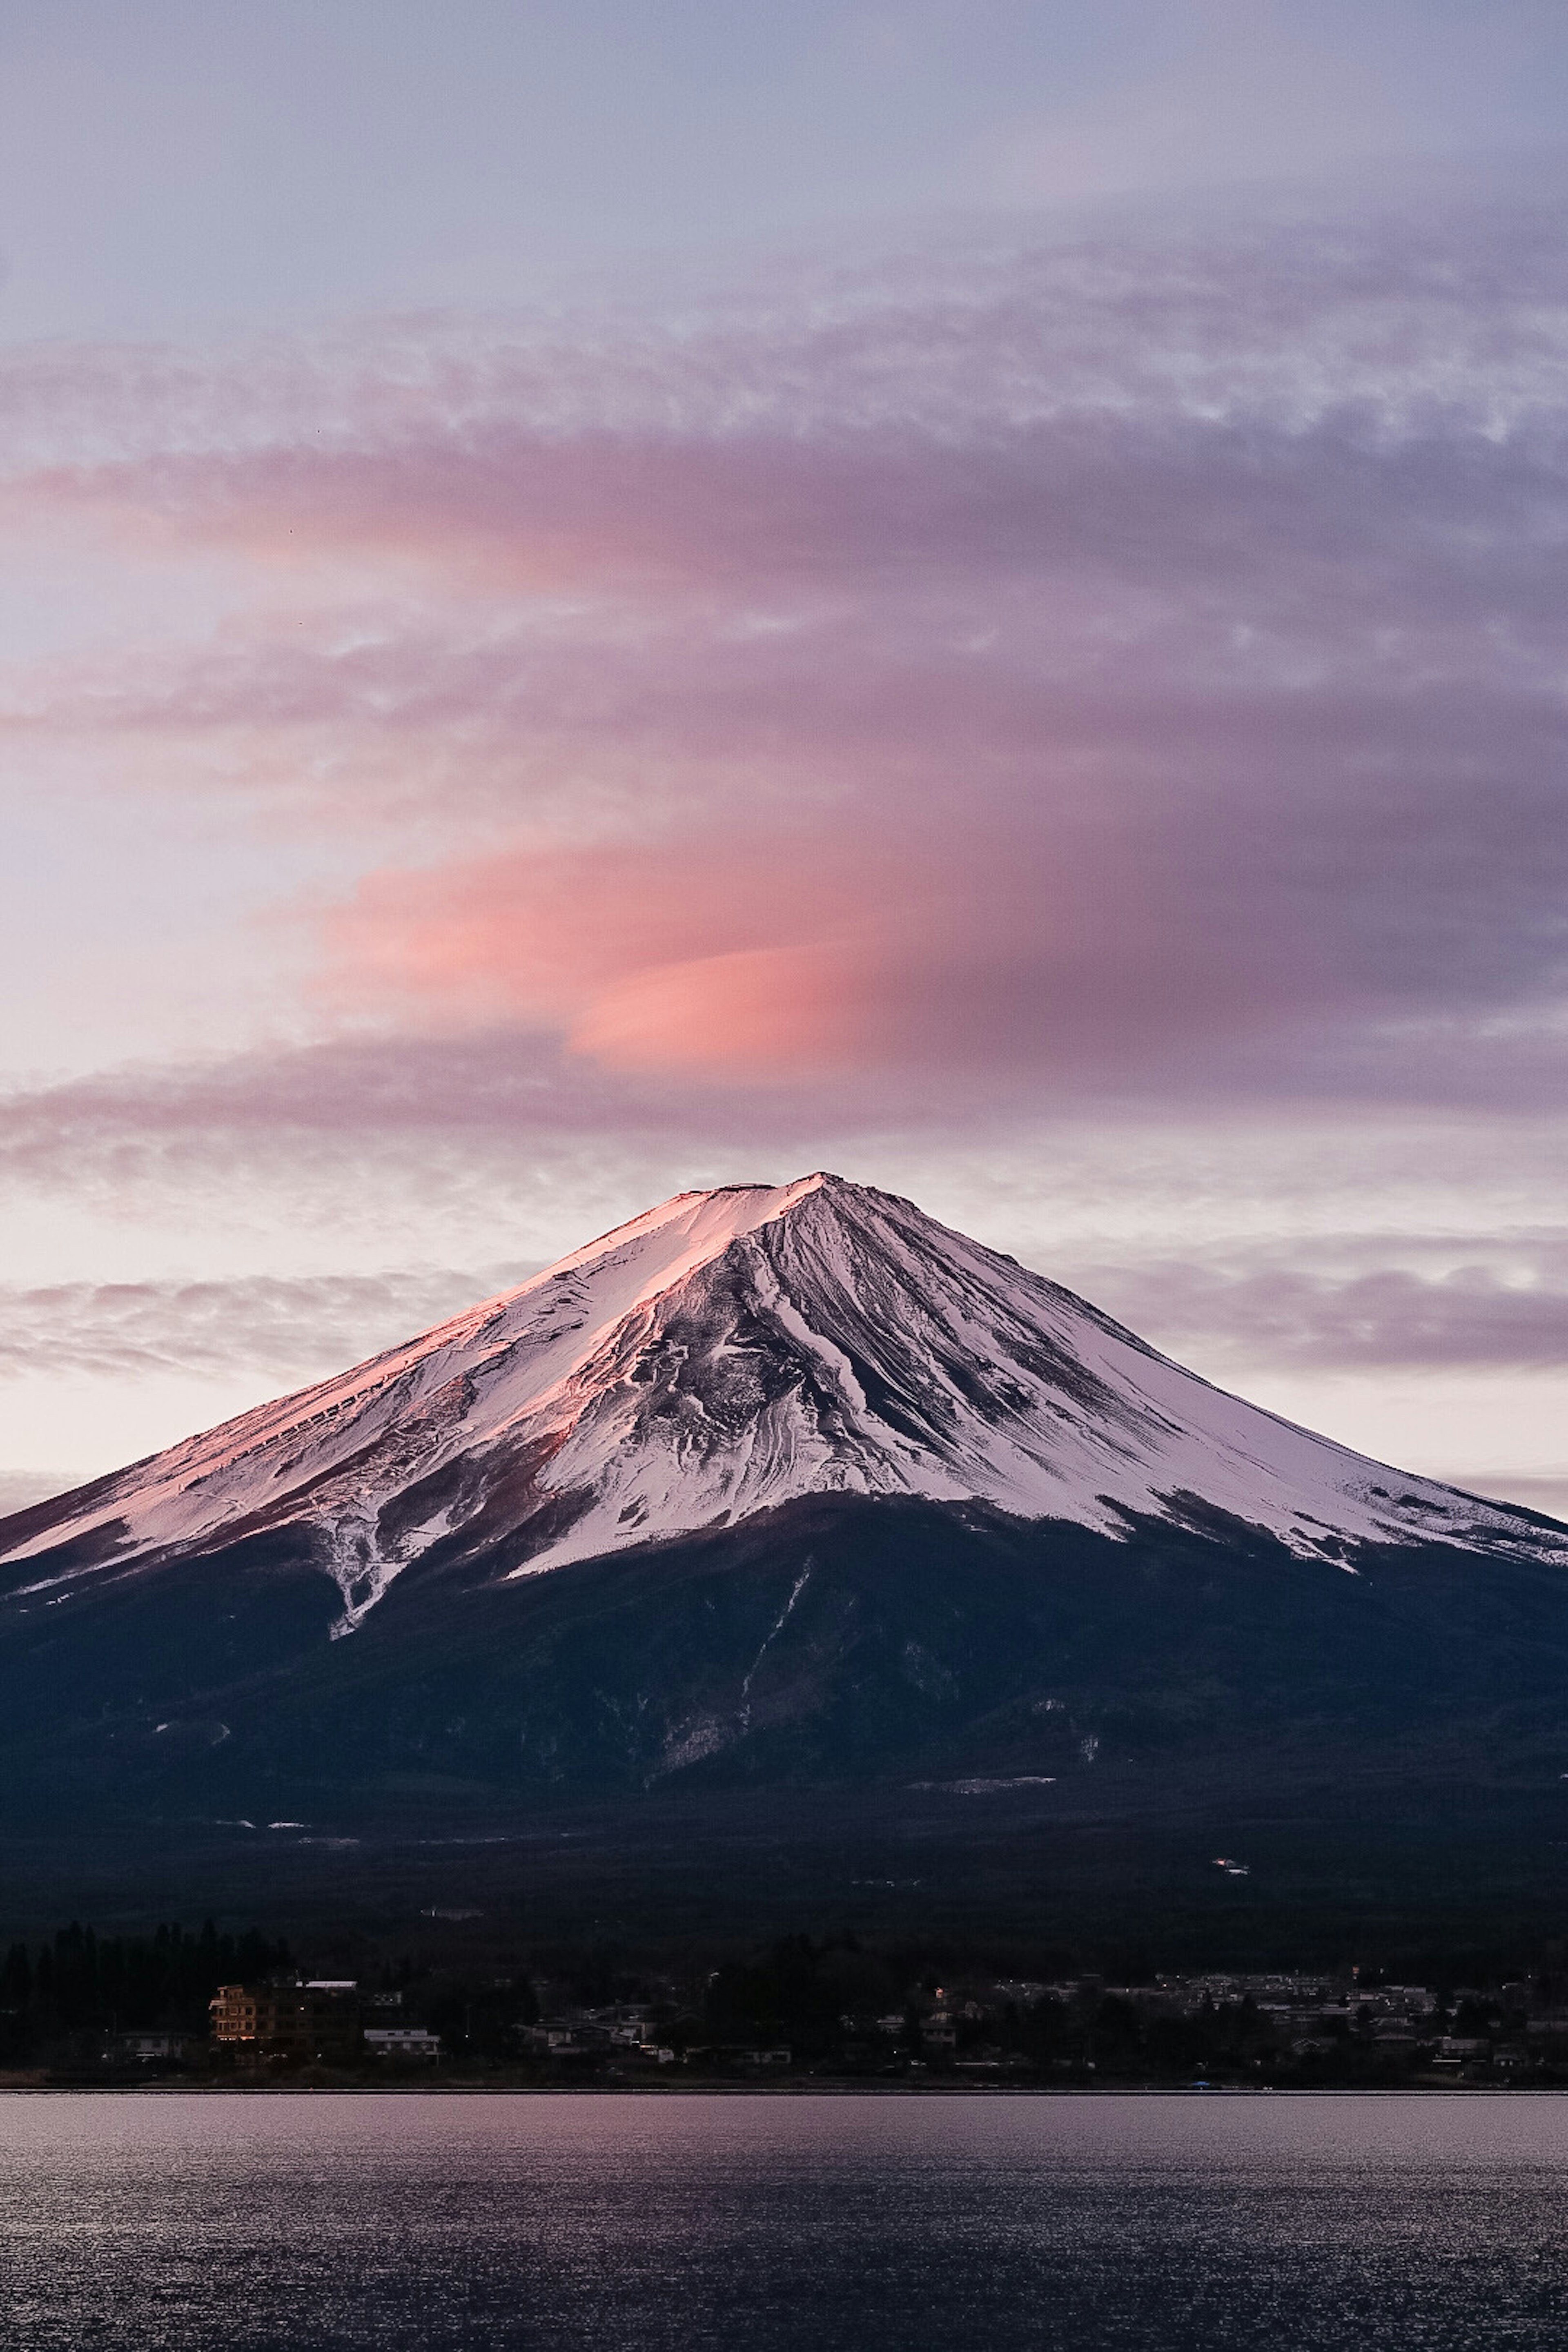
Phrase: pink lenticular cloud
(896, 933)
(694, 959)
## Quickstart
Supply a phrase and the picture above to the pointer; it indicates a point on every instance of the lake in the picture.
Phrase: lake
(418, 2223)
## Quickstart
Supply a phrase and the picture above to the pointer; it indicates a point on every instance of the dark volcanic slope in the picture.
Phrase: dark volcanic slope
(889, 1713)
(834, 1640)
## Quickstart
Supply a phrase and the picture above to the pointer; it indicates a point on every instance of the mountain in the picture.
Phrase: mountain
(770, 1490)
(727, 1353)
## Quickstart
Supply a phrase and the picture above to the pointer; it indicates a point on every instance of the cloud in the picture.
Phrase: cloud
(294, 1328)
(1479, 1301)
(366, 1146)
(505, 1085)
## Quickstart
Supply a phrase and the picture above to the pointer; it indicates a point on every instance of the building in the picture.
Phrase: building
(317, 2021)
(148, 2049)
(401, 2041)
(236, 2013)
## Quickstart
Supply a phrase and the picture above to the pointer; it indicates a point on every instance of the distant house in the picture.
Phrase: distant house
(401, 2041)
(552, 2034)
(147, 2049)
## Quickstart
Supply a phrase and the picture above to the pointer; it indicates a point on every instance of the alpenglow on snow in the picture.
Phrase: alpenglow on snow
(727, 1352)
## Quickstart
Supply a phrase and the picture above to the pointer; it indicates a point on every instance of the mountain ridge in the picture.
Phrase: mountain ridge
(725, 1353)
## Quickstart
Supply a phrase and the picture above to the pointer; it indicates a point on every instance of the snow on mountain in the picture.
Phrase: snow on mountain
(724, 1353)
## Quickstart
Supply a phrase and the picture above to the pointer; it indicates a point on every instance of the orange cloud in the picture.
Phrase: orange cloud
(662, 956)
(797, 952)
(782, 1013)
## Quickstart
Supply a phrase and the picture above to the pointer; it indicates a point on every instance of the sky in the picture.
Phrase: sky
(610, 597)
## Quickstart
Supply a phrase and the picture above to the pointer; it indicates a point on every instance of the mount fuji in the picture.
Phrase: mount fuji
(770, 1488)
(724, 1354)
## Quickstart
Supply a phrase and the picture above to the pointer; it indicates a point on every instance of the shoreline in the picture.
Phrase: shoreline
(795, 2090)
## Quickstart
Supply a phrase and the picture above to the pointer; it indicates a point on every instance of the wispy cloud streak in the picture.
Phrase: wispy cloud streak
(1477, 1302)
(291, 1326)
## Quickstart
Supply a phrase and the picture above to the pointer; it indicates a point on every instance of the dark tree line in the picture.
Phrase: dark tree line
(78, 1981)
(802, 1992)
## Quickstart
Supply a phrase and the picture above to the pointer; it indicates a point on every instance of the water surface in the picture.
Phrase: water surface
(205, 2222)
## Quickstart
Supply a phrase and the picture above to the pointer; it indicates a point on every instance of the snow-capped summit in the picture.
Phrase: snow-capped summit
(727, 1352)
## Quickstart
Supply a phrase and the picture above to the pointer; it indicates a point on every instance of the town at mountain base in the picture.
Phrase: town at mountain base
(82, 2011)
(890, 1683)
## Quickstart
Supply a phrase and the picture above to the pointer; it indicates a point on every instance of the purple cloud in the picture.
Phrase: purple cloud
(289, 1326)
(1505, 1305)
